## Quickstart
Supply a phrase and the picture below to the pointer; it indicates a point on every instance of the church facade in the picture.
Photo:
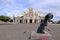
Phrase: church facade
(30, 16)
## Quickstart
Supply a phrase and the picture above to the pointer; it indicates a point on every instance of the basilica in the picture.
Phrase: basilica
(30, 16)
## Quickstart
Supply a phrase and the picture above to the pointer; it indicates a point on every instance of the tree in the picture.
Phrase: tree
(58, 22)
(4, 18)
(11, 20)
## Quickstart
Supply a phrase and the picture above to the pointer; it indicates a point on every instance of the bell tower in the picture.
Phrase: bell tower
(30, 10)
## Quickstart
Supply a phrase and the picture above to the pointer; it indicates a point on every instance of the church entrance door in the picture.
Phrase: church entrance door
(30, 20)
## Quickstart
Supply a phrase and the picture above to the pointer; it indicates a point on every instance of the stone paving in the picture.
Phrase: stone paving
(22, 31)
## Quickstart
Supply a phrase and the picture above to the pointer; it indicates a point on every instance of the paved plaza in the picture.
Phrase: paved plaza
(22, 31)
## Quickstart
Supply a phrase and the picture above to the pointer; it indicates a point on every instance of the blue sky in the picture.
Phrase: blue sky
(16, 7)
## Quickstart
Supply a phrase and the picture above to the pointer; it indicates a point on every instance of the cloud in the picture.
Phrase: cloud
(16, 11)
(13, 8)
(2, 13)
(46, 6)
(6, 2)
(16, 7)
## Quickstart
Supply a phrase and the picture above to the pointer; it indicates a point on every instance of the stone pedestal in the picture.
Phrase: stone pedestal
(39, 36)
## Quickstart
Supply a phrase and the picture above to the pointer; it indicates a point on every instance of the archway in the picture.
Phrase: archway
(20, 21)
(34, 21)
(30, 20)
(26, 21)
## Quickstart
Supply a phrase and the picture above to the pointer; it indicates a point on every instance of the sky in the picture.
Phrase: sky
(16, 7)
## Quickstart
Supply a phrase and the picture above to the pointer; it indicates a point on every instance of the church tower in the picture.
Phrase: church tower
(30, 10)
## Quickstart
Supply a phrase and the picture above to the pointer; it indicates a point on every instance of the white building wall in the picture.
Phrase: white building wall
(27, 15)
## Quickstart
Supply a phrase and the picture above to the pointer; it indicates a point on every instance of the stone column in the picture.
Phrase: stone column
(23, 20)
(32, 20)
(18, 20)
(28, 20)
